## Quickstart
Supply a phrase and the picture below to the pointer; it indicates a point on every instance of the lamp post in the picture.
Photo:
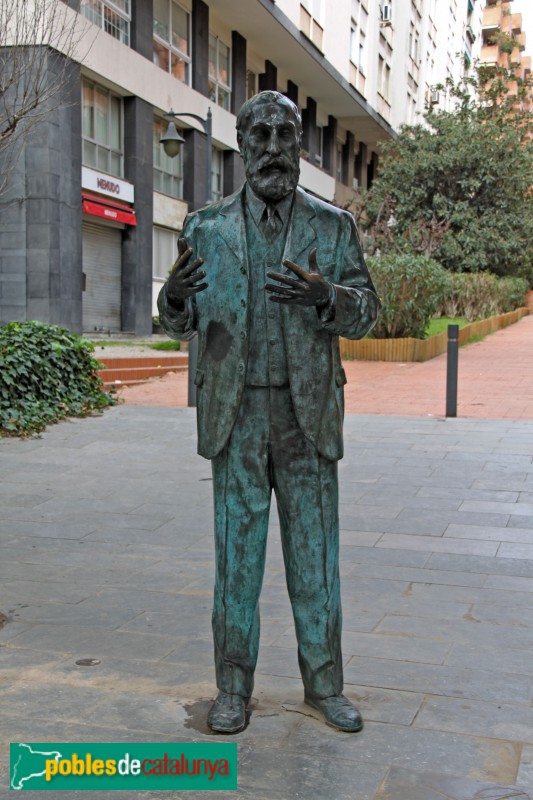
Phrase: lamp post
(172, 142)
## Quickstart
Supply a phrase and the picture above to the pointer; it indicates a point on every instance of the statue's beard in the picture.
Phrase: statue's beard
(273, 178)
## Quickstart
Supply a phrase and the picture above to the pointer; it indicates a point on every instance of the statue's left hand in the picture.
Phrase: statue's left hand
(307, 289)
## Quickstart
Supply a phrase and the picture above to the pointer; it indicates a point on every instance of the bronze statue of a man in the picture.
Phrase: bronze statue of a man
(284, 278)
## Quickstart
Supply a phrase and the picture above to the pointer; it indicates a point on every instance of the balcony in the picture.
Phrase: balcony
(521, 39)
(492, 17)
(490, 55)
(516, 21)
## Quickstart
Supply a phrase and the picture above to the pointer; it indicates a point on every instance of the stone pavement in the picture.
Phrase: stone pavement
(495, 382)
(107, 554)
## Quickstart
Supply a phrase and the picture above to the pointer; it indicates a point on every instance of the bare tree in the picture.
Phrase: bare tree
(32, 32)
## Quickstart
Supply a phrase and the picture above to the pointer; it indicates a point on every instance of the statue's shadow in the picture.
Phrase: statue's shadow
(198, 710)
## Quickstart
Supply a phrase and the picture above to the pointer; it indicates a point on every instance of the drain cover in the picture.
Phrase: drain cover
(88, 662)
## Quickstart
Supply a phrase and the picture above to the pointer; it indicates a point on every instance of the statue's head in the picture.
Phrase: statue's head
(269, 132)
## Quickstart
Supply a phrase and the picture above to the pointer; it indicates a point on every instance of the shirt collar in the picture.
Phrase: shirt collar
(257, 205)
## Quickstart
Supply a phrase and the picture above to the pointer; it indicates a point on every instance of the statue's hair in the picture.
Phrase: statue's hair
(264, 98)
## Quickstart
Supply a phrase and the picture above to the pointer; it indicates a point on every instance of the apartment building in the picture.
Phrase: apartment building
(503, 43)
(100, 205)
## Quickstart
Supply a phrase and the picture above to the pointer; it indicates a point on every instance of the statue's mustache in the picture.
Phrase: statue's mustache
(278, 162)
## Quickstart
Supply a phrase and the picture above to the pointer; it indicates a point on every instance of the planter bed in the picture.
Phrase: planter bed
(424, 349)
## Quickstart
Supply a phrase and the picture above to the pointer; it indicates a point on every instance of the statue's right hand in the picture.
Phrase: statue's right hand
(184, 279)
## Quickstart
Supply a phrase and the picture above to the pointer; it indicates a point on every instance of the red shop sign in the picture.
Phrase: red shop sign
(110, 211)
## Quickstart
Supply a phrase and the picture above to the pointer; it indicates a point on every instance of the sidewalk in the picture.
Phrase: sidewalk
(107, 554)
(495, 382)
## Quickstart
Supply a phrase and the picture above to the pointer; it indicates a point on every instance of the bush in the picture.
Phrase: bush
(46, 374)
(412, 289)
(481, 295)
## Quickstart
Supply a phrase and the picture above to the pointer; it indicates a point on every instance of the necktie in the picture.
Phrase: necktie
(271, 221)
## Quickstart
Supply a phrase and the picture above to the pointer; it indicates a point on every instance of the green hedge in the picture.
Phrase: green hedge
(480, 295)
(46, 374)
(412, 290)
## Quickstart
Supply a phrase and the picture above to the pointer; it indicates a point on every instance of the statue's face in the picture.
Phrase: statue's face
(270, 147)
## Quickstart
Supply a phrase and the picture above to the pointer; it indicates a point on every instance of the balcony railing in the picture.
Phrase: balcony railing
(489, 55)
(492, 16)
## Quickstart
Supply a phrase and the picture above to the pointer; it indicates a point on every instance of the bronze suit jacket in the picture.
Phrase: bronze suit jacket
(220, 315)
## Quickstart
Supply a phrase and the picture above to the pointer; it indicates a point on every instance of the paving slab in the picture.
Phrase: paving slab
(441, 680)
(491, 720)
(404, 784)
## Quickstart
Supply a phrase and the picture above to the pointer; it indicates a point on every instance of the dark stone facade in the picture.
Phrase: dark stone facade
(137, 240)
(40, 219)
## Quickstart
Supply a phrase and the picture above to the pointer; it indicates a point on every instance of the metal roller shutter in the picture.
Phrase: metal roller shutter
(102, 265)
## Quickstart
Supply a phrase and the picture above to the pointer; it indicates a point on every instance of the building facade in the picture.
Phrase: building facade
(89, 223)
(503, 44)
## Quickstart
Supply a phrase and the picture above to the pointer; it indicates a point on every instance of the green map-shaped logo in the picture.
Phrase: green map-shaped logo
(28, 764)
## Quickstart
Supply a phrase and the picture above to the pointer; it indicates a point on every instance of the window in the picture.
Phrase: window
(358, 47)
(102, 129)
(414, 43)
(114, 16)
(354, 42)
(358, 36)
(217, 174)
(251, 83)
(168, 172)
(165, 252)
(383, 78)
(311, 21)
(319, 155)
(340, 149)
(172, 51)
(219, 84)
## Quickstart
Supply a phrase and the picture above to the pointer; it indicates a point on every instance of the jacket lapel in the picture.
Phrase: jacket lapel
(301, 233)
(232, 228)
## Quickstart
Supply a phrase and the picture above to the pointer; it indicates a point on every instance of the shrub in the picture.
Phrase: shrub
(412, 289)
(46, 374)
(480, 295)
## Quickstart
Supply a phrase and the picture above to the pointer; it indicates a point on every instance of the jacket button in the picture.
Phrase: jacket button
(243, 334)
(243, 303)
(241, 367)
(243, 269)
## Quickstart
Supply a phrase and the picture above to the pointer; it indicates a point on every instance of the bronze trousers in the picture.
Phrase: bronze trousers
(268, 451)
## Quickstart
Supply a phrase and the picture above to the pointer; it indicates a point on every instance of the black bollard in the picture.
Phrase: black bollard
(451, 370)
(193, 360)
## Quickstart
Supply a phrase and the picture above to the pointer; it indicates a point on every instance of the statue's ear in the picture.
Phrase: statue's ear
(239, 140)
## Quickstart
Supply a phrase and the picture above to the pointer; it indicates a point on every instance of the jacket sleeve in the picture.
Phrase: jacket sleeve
(354, 304)
(179, 323)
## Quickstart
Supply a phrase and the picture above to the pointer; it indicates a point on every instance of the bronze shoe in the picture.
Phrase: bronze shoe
(228, 713)
(338, 712)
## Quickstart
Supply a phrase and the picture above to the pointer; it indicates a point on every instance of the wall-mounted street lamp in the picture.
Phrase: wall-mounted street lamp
(172, 142)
